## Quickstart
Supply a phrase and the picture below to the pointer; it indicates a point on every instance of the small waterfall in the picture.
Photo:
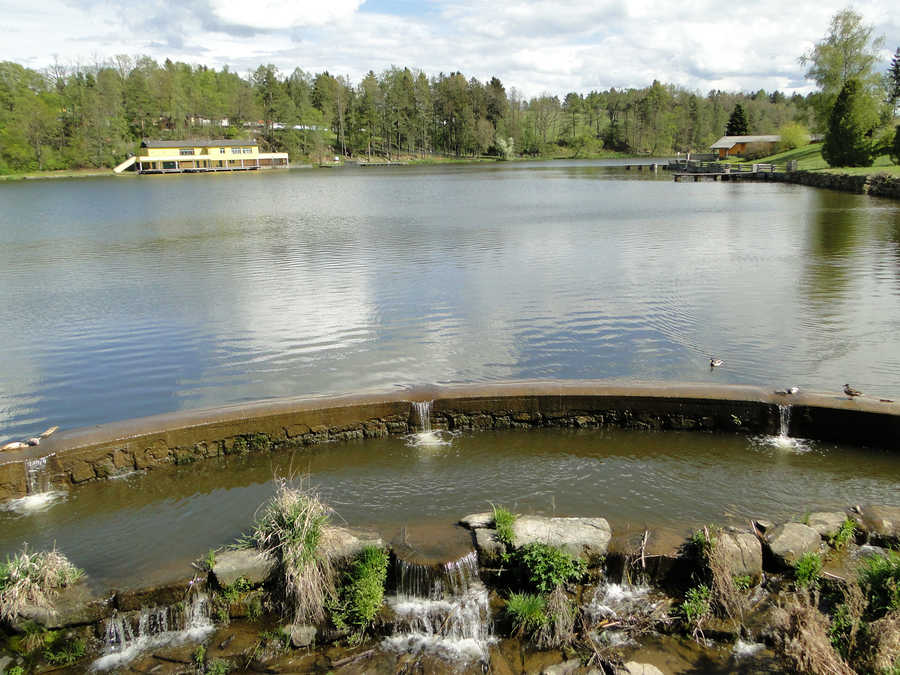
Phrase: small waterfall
(424, 436)
(626, 607)
(441, 609)
(784, 421)
(36, 476)
(153, 627)
(422, 410)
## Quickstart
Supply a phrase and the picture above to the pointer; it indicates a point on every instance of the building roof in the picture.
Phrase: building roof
(196, 143)
(729, 142)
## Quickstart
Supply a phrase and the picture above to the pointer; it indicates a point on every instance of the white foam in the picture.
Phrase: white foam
(425, 439)
(35, 503)
(744, 649)
(784, 442)
(619, 600)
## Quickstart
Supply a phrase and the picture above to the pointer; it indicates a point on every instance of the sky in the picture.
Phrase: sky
(534, 46)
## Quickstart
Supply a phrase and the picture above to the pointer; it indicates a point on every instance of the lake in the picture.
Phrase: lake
(123, 297)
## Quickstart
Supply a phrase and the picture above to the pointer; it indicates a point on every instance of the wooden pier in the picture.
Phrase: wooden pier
(691, 171)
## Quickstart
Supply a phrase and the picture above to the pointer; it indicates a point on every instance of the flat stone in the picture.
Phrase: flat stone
(5, 663)
(635, 668)
(250, 564)
(790, 541)
(73, 606)
(475, 520)
(826, 523)
(489, 549)
(564, 668)
(345, 542)
(580, 537)
(301, 635)
(882, 523)
(743, 553)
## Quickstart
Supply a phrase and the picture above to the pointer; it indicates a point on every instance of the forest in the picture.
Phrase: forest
(68, 117)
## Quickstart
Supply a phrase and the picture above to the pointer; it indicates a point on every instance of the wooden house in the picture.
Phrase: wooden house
(191, 156)
(739, 146)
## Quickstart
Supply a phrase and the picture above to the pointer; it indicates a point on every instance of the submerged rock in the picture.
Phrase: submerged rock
(826, 523)
(250, 564)
(301, 635)
(790, 541)
(346, 542)
(586, 537)
(475, 520)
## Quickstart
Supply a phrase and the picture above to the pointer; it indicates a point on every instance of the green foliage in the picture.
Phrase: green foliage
(793, 135)
(526, 612)
(696, 605)
(235, 592)
(895, 146)
(850, 126)
(547, 567)
(240, 446)
(217, 667)
(361, 592)
(16, 670)
(210, 560)
(259, 442)
(844, 535)
(743, 583)
(879, 577)
(503, 524)
(199, 655)
(807, 570)
(702, 541)
(66, 654)
(839, 630)
(33, 578)
(737, 123)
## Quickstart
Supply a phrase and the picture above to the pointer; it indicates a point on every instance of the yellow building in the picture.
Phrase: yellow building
(205, 155)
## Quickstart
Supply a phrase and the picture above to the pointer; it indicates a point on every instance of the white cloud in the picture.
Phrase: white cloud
(271, 14)
(535, 47)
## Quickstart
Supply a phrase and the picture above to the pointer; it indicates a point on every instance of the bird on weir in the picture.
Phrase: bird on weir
(851, 392)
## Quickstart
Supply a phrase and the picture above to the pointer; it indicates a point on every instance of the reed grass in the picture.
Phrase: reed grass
(33, 578)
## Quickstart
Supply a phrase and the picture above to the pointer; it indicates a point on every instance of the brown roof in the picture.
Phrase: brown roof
(195, 143)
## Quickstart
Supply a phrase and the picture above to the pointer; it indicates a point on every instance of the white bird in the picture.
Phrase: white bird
(793, 390)
(715, 363)
(34, 441)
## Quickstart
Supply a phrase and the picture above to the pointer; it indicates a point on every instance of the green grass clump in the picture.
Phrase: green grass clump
(879, 577)
(65, 652)
(361, 592)
(696, 605)
(503, 524)
(289, 528)
(546, 567)
(526, 612)
(742, 582)
(34, 578)
(807, 570)
(844, 535)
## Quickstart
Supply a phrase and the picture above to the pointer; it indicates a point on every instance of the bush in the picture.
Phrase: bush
(793, 135)
(850, 126)
(807, 569)
(503, 523)
(289, 528)
(879, 577)
(547, 567)
(362, 589)
(895, 146)
(696, 606)
(33, 579)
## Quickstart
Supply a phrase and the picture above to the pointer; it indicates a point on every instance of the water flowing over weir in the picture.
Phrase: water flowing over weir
(126, 636)
(784, 421)
(422, 410)
(441, 609)
(39, 494)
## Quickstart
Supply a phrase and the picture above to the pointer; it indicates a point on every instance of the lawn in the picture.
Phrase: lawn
(809, 158)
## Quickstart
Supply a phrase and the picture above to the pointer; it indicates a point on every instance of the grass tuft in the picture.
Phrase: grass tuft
(34, 578)
(844, 535)
(879, 577)
(503, 523)
(807, 570)
(526, 612)
(361, 593)
(290, 527)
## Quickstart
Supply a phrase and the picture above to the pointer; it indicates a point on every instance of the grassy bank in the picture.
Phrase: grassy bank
(809, 158)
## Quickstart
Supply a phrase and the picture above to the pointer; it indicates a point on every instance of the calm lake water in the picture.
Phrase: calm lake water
(124, 297)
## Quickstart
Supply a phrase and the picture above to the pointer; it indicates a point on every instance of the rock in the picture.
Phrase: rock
(635, 668)
(564, 668)
(301, 635)
(165, 594)
(74, 606)
(345, 542)
(826, 523)
(585, 537)
(489, 549)
(743, 553)
(882, 523)
(251, 564)
(790, 541)
(476, 520)
(868, 551)
(5, 663)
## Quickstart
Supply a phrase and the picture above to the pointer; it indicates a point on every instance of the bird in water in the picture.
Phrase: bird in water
(851, 392)
(715, 363)
(789, 391)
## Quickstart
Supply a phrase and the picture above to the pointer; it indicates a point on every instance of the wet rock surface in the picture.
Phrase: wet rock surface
(73, 606)
(826, 523)
(346, 542)
(249, 564)
(585, 537)
(742, 552)
(882, 523)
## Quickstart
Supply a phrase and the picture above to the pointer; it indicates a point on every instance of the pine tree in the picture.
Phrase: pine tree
(893, 80)
(737, 123)
(895, 148)
(848, 141)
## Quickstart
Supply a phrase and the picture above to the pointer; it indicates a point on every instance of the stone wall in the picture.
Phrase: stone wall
(879, 185)
(182, 438)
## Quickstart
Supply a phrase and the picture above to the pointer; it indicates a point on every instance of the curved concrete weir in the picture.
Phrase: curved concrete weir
(113, 449)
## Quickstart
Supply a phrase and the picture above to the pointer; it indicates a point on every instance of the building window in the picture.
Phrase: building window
(221, 151)
(248, 151)
(235, 151)
(186, 151)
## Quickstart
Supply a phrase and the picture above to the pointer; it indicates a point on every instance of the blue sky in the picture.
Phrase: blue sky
(533, 46)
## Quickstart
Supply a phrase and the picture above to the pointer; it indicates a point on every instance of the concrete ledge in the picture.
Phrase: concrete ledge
(107, 450)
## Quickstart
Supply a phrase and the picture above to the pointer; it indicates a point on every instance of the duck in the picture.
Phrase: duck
(715, 363)
(851, 392)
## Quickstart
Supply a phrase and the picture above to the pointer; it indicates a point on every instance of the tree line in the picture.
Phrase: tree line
(95, 115)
